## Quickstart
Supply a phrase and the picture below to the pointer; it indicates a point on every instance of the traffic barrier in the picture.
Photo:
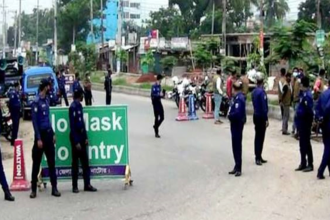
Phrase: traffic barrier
(208, 109)
(182, 116)
(192, 110)
(20, 182)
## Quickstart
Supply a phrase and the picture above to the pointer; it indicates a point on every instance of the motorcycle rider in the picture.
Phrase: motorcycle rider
(218, 93)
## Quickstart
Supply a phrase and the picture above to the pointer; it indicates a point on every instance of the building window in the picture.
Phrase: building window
(126, 15)
(125, 4)
(135, 16)
(135, 5)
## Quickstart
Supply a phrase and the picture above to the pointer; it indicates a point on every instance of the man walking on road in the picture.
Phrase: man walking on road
(88, 90)
(296, 99)
(260, 119)
(44, 139)
(79, 143)
(3, 182)
(61, 86)
(237, 117)
(280, 89)
(286, 103)
(305, 116)
(108, 86)
(322, 111)
(217, 89)
(156, 96)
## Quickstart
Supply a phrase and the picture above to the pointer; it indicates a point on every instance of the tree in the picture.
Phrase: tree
(11, 36)
(307, 11)
(275, 10)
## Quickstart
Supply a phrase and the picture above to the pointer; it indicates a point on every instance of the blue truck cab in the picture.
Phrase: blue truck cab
(30, 85)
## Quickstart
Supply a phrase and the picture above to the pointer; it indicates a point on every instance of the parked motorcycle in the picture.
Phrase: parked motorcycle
(6, 124)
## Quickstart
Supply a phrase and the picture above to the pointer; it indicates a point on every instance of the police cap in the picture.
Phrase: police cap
(78, 93)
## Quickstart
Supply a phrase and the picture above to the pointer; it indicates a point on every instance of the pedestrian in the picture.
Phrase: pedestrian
(260, 119)
(108, 86)
(237, 117)
(305, 116)
(286, 103)
(229, 84)
(76, 84)
(52, 96)
(44, 140)
(156, 96)
(88, 90)
(296, 99)
(322, 112)
(61, 85)
(15, 110)
(319, 85)
(79, 143)
(3, 182)
(281, 82)
(245, 80)
(218, 93)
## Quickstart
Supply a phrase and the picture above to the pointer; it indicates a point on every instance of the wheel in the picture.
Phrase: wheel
(8, 135)
(203, 104)
(177, 100)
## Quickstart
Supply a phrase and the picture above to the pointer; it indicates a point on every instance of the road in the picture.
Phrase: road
(184, 175)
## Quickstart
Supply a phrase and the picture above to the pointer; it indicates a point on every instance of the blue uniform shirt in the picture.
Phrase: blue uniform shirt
(76, 86)
(322, 109)
(237, 113)
(77, 125)
(304, 110)
(260, 103)
(40, 116)
(61, 83)
(52, 96)
(156, 92)
(14, 99)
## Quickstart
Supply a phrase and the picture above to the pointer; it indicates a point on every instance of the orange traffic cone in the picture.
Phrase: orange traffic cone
(20, 182)
(182, 116)
(208, 111)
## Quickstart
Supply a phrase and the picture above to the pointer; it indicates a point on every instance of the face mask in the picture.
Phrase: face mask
(295, 74)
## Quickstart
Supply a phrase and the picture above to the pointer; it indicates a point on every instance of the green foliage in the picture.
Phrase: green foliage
(86, 62)
(203, 57)
(119, 82)
(230, 65)
(148, 59)
(122, 55)
(169, 62)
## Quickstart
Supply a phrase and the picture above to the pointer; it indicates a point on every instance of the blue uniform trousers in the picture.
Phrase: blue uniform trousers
(326, 154)
(260, 129)
(3, 181)
(304, 130)
(15, 117)
(236, 138)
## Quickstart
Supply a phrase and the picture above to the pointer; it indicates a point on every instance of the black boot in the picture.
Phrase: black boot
(8, 196)
(258, 162)
(55, 192)
(90, 188)
(232, 172)
(308, 169)
(33, 195)
(156, 131)
(300, 168)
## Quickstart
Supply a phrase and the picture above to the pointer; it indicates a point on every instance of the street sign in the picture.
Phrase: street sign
(320, 37)
(107, 132)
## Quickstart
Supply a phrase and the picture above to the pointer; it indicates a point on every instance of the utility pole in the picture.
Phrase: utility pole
(319, 19)
(15, 37)
(20, 24)
(102, 30)
(119, 33)
(224, 22)
(3, 30)
(213, 11)
(55, 32)
(261, 37)
(92, 17)
(37, 37)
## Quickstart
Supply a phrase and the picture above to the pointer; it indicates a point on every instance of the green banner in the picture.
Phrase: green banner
(107, 132)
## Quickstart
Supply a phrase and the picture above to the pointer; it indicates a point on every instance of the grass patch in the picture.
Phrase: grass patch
(273, 102)
(167, 88)
(145, 86)
(120, 82)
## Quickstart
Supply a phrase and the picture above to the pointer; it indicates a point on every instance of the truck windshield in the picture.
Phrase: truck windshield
(34, 80)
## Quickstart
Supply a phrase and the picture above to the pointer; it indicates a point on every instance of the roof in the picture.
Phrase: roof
(37, 70)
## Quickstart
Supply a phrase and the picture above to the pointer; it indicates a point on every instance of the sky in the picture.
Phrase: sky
(293, 4)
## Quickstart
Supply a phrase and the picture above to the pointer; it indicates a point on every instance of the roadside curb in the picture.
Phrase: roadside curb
(273, 111)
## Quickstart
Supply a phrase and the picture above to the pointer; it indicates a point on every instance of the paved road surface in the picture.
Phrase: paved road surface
(184, 176)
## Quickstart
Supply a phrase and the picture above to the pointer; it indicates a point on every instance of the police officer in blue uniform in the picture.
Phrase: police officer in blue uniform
(44, 139)
(237, 117)
(52, 96)
(108, 86)
(156, 95)
(61, 86)
(79, 143)
(304, 121)
(322, 112)
(15, 110)
(3, 182)
(260, 119)
(76, 84)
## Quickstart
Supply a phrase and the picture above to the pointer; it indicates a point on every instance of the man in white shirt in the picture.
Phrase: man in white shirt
(218, 93)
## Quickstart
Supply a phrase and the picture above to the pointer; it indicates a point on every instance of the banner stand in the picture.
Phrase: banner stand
(128, 175)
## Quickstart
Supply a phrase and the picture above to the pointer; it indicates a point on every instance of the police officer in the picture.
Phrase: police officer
(15, 110)
(61, 85)
(88, 90)
(237, 117)
(44, 139)
(304, 121)
(322, 112)
(3, 182)
(156, 96)
(76, 84)
(79, 143)
(52, 96)
(260, 119)
(108, 86)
